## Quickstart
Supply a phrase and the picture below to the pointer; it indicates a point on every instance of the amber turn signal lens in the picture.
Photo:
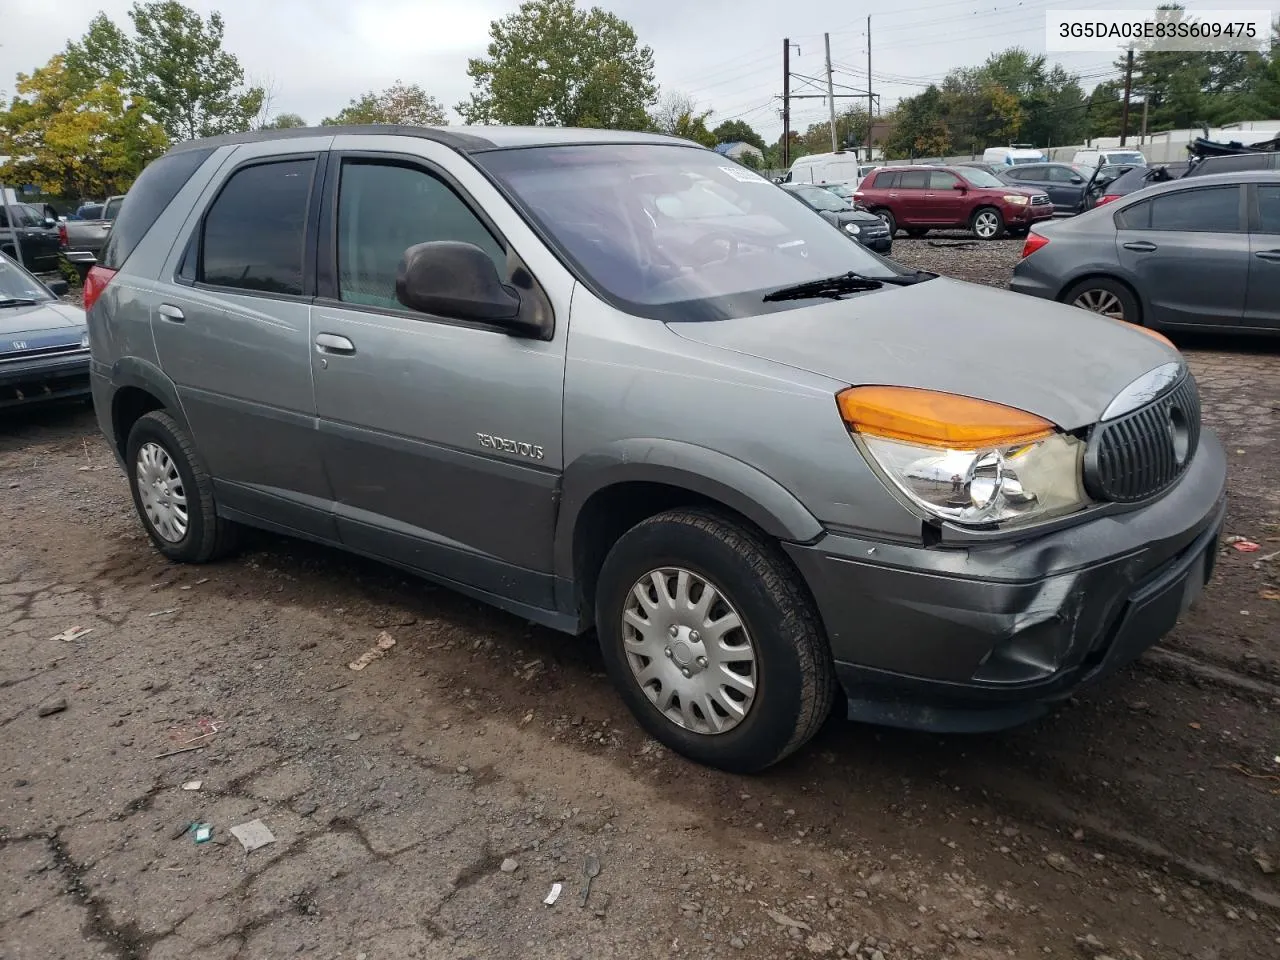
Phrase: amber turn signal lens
(937, 419)
(1154, 335)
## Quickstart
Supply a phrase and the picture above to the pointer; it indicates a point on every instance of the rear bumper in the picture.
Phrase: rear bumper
(1033, 286)
(36, 381)
(990, 637)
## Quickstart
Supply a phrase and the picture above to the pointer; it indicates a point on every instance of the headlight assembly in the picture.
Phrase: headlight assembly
(1016, 200)
(852, 228)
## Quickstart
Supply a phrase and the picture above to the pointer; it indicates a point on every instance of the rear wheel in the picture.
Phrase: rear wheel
(712, 641)
(1107, 297)
(917, 231)
(987, 223)
(888, 219)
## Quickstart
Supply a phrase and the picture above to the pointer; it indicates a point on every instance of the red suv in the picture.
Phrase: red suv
(919, 198)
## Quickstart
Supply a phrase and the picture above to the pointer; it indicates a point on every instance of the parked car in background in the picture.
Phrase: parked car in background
(44, 346)
(1107, 157)
(87, 211)
(1063, 182)
(823, 168)
(32, 237)
(81, 241)
(1235, 163)
(918, 199)
(993, 168)
(1014, 155)
(868, 229)
(1200, 252)
(1110, 183)
(762, 467)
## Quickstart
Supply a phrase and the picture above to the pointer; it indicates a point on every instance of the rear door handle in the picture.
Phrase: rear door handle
(1140, 246)
(1272, 255)
(332, 343)
(171, 313)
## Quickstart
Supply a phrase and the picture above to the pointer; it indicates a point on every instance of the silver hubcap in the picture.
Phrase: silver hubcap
(986, 224)
(1101, 301)
(164, 499)
(689, 651)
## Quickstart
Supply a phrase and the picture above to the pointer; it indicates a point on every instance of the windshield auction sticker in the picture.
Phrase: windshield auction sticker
(743, 175)
(1106, 31)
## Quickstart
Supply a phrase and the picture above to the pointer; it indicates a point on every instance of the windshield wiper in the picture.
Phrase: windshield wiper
(831, 287)
(18, 302)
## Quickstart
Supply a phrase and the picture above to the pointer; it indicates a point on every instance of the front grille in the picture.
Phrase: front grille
(12, 356)
(1039, 200)
(1142, 453)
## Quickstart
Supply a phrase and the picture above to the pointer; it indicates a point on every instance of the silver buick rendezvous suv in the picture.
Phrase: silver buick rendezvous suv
(616, 382)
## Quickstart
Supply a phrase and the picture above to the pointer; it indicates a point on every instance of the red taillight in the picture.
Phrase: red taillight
(1033, 243)
(62, 235)
(1107, 198)
(94, 283)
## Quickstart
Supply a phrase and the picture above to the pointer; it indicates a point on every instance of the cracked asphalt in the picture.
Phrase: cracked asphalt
(1139, 821)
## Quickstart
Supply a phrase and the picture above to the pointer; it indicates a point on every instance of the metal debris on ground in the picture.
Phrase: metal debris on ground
(590, 870)
(253, 835)
(174, 753)
(73, 633)
(203, 832)
(378, 651)
(554, 895)
(1243, 544)
(163, 613)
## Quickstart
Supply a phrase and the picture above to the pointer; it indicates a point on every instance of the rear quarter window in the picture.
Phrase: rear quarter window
(885, 181)
(146, 200)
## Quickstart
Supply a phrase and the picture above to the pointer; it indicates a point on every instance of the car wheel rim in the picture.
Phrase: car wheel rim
(689, 651)
(1101, 301)
(986, 225)
(885, 218)
(163, 495)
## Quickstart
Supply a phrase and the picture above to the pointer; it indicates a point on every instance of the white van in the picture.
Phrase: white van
(1011, 156)
(1104, 157)
(824, 168)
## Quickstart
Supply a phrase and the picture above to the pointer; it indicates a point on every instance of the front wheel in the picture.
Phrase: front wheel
(889, 221)
(987, 224)
(712, 641)
(917, 232)
(172, 492)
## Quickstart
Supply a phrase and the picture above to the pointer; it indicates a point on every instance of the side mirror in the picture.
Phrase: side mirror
(58, 288)
(455, 280)
(50, 223)
(959, 186)
(1077, 179)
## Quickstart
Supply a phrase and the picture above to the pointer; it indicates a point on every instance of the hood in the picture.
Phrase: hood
(858, 216)
(41, 318)
(1059, 362)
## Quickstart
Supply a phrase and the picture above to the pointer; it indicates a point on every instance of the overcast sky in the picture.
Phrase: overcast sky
(318, 54)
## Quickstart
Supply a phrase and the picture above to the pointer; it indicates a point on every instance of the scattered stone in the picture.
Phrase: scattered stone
(1077, 835)
(1061, 863)
(510, 865)
(50, 707)
(972, 934)
(463, 768)
(353, 736)
(737, 943)
(820, 944)
(253, 835)
(784, 921)
(1263, 860)
(1090, 945)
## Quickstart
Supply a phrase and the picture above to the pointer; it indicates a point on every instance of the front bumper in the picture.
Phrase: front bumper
(1030, 214)
(35, 381)
(882, 244)
(989, 636)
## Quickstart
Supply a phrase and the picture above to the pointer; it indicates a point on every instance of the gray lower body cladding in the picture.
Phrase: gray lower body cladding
(989, 637)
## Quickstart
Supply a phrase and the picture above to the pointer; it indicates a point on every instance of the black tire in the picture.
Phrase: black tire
(207, 536)
(794, 679)
(981, 213)
(1129, 305)
(889, 221)
(917, 232)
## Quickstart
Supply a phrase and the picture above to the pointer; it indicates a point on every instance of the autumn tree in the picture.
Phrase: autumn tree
(550, 63)
(284, 121)
(76, 139)
(400, 103)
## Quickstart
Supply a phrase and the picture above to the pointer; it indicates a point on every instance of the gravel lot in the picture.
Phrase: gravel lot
(424, 806)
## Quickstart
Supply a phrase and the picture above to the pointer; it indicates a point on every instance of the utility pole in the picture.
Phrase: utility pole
(831, 95)
(1143, 141)
(1128, 89)
(786, 103)
(870, 112)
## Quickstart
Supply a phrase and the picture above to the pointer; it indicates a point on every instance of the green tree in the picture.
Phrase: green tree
(399, 103)
(73, 140)
(851, 131)
(550, 63)
(738, 131)
(284, 121)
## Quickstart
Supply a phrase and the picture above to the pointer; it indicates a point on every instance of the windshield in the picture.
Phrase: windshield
(23, 214)
(1133, 157)
(980, 178)
(112, 208)
(822, 199)
(676, 233)
(17, 284)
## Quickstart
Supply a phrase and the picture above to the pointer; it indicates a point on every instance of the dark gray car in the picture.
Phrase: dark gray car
(1063, 182)
(613, 383)
(863, 226)
(1198, 252)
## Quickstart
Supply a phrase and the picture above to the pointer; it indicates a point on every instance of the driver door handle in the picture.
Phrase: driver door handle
(1272, 255)
(1141, 246)
(332, 343)
(171, 313)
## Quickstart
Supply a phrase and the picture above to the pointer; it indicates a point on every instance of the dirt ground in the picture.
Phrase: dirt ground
(424, 806)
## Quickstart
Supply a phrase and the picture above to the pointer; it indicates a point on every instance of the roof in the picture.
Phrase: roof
(465, 139)
(1214, 180)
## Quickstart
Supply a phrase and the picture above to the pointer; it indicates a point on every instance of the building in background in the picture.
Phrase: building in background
(739, 151)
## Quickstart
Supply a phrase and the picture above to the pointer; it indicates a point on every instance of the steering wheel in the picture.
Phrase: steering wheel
(716, 238)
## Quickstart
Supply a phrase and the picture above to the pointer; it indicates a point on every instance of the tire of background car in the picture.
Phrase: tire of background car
(888, 219)
(1103, 295)
(173, 493)
(755, 696)
(987, 223)
(917, 231)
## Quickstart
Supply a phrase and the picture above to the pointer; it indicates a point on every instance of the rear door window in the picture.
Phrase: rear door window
(1268, 208)
(914, 179)
(1210, 210)
(254, 232)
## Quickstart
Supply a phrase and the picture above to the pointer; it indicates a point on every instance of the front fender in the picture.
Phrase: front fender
(736, 484)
